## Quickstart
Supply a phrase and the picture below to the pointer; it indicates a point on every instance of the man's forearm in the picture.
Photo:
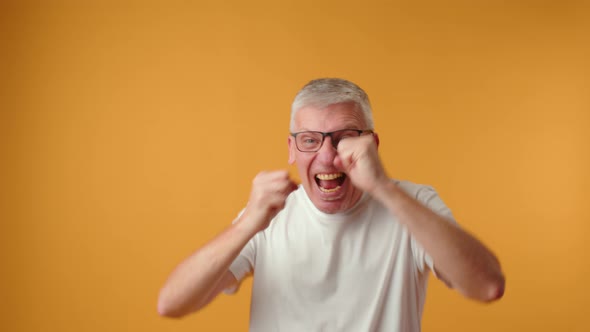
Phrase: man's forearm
(202, 275)
(190, 285)
(460, 259)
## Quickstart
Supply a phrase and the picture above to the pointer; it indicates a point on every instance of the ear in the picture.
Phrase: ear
(291, 144)
(376, 138)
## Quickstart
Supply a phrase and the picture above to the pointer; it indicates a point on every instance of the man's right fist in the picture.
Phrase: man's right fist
(269, 193)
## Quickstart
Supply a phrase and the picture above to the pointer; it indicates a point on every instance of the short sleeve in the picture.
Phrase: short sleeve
(428, 196)
(243, 265)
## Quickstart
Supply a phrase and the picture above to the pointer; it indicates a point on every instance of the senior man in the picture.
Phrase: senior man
(349, 249)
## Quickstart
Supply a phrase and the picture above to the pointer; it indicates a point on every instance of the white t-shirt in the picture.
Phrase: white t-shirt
(354, 271)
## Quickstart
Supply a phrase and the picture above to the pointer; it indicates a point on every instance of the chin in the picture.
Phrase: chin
(329, 207)
(332, 202)
(332, 205)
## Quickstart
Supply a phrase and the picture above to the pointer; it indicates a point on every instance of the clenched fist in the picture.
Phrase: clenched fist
(358, 158)
(268, 196)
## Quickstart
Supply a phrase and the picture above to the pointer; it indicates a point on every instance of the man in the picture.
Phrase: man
(347, 250)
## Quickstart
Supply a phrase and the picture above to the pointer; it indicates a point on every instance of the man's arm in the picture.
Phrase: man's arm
(460, 259)
(204, 274)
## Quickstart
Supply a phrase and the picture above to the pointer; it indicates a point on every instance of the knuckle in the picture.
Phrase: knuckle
(282, 174)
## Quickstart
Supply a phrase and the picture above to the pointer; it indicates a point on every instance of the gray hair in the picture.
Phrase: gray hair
(324, 92)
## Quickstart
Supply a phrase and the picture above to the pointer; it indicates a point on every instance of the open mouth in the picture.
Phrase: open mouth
(330, 182)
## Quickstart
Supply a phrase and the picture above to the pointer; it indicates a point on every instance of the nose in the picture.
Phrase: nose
(327, 152)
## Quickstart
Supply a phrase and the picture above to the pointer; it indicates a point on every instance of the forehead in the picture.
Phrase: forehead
(330, 118)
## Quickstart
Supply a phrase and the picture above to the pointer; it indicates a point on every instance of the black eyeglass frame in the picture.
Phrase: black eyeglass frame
(331, 133)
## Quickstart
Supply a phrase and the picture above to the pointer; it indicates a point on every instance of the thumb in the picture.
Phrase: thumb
(339, 164)
(343, 163)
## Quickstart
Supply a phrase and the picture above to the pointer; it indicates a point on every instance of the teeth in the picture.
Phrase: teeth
(329, 176)
(329, 190)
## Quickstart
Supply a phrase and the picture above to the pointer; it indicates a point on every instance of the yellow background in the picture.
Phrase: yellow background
(130, 132)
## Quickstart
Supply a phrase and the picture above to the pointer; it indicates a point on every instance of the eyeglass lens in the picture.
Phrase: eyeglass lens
(312, 140)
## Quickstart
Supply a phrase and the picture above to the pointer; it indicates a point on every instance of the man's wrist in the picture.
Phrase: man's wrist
(246, 225)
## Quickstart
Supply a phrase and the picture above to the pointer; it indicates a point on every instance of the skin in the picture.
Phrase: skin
(310, 164)
(461, 260)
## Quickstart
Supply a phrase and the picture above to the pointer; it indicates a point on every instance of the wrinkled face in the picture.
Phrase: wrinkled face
(329, 189)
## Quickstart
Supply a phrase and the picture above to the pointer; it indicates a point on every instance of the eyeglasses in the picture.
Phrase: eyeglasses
(312, 141)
